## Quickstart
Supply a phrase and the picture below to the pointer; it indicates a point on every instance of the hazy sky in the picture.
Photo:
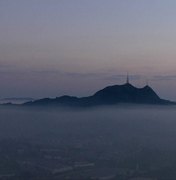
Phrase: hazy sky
(56, 47)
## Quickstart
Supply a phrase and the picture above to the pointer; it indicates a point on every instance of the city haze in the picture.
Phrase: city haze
(115, 142)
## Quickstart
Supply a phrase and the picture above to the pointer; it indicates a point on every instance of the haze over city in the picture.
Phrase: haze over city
(51, 48)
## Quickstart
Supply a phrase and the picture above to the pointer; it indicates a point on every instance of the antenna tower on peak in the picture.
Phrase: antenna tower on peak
(127, 80)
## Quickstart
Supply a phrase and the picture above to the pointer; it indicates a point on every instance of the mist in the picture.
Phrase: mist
(108, 137)
(146, 121)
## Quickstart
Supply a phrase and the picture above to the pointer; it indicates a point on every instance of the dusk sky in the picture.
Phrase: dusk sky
(50, 48)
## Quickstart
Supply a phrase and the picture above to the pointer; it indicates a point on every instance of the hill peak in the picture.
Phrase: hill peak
(114, 94)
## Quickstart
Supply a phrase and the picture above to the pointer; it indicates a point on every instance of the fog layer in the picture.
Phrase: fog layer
(147, 125)
(120, 142)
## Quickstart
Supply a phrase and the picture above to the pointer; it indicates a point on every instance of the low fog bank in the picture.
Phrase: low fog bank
(144, 125)
(122, 142)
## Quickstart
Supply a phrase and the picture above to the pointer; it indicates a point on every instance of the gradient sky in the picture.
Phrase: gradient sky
(56, 47)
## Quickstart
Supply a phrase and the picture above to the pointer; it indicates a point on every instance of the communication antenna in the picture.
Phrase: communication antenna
(127, 80)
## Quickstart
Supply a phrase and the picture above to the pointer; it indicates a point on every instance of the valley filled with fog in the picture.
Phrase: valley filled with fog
(118, 142)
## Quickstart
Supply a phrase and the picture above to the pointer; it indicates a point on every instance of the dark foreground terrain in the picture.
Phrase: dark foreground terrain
(122, 142)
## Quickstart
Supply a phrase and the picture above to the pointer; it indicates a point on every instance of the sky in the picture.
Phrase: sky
(49, 48)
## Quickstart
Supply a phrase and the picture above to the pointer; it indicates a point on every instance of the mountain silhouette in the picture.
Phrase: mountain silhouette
(110, 95)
